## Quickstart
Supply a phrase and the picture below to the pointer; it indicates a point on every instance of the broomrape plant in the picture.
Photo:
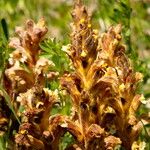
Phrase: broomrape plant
(102, 87)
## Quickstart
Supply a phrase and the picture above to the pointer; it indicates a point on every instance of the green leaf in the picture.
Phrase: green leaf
(5, 28)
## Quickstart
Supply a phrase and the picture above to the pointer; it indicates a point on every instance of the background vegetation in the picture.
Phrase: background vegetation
(134, 15)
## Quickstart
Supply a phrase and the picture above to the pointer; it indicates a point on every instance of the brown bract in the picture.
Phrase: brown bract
(24, 82)
(103, 85)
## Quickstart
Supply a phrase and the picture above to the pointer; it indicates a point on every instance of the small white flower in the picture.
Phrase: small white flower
(142, 99)
(64, 125)
(66, 48)
(11, 61)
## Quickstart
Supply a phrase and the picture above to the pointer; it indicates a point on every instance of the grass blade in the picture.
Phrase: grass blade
(5, 28)
(8, 100)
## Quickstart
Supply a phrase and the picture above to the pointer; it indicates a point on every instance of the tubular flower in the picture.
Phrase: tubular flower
(20, 73)
(25, 79)
(102, 86)
(37, 104)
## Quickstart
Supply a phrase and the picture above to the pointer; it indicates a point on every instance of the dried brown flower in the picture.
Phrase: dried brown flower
(103, 85)
(25, 84)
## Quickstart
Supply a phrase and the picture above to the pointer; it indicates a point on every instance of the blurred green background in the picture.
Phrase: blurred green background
(134, 15)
